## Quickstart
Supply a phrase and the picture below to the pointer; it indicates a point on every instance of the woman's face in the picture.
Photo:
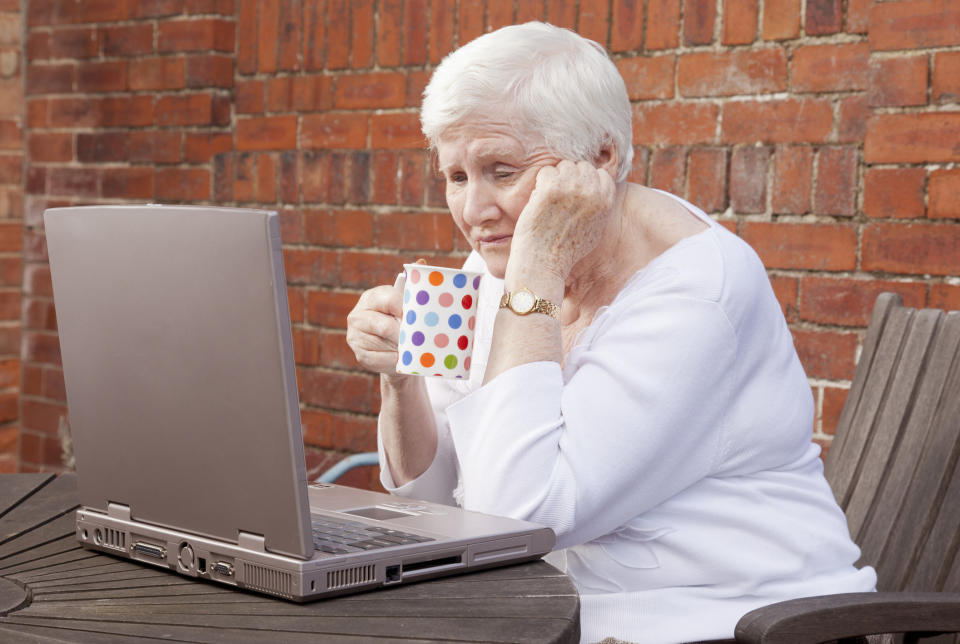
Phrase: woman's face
(489, 176)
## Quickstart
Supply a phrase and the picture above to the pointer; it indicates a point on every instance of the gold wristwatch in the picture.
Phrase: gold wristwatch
(523, 302)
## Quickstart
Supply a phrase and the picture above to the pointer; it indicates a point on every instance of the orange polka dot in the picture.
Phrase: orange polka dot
(436, 278)
(427, 360)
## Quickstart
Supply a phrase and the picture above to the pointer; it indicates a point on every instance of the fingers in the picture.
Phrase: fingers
(373, 327)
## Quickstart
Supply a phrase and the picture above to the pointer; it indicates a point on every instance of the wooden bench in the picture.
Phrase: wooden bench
(894, 467)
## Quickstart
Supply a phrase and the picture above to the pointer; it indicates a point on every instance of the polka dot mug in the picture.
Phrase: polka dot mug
(439, 316)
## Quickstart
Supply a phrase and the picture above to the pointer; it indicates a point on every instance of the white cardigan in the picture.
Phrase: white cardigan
(671, 453)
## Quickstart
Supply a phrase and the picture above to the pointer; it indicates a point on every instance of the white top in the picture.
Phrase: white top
(671, 453)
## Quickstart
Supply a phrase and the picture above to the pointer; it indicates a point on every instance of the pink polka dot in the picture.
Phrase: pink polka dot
(445, 299)
(466, 363)
(471, 322)
(441, 340)
(414, 275)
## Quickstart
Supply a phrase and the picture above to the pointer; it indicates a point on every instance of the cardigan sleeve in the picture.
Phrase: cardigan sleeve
(635, 417)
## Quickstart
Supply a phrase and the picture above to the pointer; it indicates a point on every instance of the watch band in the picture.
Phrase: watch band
(536, 304)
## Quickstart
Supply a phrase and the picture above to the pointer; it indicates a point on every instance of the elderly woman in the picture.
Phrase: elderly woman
(641, 395)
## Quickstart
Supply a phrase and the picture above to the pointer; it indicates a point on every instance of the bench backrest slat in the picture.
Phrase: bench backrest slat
(894, 465)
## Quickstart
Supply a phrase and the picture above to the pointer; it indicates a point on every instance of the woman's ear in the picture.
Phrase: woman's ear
(607, 159)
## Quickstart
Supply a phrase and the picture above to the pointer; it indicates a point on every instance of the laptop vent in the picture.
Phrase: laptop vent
(267, 580)
(116, 539)
(348, 577)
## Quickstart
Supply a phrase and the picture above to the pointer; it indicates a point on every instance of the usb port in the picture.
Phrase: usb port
(150, 550)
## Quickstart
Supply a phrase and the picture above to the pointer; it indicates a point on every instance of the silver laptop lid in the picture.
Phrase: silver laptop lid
(178, 365)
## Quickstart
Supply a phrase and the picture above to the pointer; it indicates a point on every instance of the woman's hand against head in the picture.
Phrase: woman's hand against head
(565, 217)
(373, 328)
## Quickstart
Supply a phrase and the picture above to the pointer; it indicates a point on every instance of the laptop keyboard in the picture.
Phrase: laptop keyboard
(340, 537)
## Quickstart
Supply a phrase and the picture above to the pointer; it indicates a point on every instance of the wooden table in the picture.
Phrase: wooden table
(51, 590)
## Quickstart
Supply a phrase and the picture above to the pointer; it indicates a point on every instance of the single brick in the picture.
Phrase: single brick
(737, 71)
(898, 82)
(748, 178)
(836, 191)
(663, 24)
(913, 138)
(823, 17)
(821, 247)
(894, 192)
(945, 194)
(778, 121)
(830, 68)
(740, 21)
(946, 77)
(707, 169)
(626, 30)
(668, 169)
(674, 123)
(917, 24)
(792, 179)
(849, 302)
(781, 19)
(915, 249)
(648, 77)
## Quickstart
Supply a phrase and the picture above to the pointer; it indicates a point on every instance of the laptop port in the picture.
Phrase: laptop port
(222, 568)
(150, 550)
(393, 575)
(201, 565)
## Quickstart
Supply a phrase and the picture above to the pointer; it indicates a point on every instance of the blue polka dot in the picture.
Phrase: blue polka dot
(459, 280)
(423, 297)
(417, 338)
(455, 321)
(407, 357)
(431, 319)
(406, 296)
(411, 317)
(403, 337)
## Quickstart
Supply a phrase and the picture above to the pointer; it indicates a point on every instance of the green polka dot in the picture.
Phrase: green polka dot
(450, 362)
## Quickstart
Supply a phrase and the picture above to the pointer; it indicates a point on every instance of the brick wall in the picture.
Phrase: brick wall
(11, 226)
(824, 132)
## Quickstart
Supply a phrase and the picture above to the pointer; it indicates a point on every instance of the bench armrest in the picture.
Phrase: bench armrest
(830, 617)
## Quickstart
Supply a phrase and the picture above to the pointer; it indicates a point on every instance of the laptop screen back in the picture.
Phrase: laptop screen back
(178, 366)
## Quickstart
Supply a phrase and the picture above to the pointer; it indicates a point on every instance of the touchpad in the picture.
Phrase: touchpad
(374, 512)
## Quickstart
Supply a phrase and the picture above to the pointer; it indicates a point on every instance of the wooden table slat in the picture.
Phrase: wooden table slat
(83, 632)
(57, 497)
(44, 555)
(15, 489)
(458, 627)
(62, 564)
(59, 528)
(92, 568)
(530, 607)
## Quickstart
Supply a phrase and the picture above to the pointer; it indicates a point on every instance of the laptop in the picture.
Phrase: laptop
(182, 396)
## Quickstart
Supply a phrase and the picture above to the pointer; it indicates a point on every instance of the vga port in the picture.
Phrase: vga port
(223, 568)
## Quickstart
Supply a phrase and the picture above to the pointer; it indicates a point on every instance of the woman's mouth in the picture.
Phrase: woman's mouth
(494, 240)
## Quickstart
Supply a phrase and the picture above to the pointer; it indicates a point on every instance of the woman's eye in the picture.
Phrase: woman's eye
(457, 177)
(502, 174)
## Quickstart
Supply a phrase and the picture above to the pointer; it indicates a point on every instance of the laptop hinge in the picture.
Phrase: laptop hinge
(118, 511)
(251, 541)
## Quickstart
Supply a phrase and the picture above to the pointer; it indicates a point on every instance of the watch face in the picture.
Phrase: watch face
(522, 301)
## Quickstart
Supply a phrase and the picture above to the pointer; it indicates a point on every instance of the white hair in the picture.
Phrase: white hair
(548, 81)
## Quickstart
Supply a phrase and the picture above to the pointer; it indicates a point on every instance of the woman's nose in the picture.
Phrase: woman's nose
(480, 204)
